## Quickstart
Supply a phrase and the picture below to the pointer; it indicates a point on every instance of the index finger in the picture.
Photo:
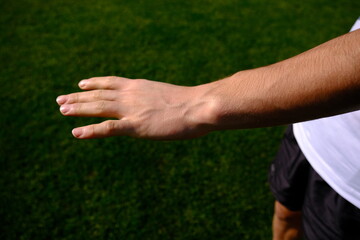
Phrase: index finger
(110, 82)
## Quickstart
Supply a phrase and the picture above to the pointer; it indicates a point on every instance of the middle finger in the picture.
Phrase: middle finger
(89, 96)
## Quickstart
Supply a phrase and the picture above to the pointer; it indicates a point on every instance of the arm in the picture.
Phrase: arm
(321, 82)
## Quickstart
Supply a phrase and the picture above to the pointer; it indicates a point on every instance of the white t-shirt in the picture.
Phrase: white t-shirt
(332, 146)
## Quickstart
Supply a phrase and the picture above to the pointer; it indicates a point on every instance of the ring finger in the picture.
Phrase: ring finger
(91, 109)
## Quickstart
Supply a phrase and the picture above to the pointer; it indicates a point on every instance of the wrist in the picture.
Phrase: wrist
(203, 108)
(234, 102)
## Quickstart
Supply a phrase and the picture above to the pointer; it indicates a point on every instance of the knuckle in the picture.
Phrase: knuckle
(110, 82)
(77, 107)
(73, 98)
(107, 82)
(76, 98)
(92, 131)
(100, 106)
(138, 83)
(97, 94)
(110, 127)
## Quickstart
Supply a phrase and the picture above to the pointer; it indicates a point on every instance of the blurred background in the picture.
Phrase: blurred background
(53, 186)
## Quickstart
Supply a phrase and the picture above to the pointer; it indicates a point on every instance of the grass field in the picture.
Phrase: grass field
(53, 186)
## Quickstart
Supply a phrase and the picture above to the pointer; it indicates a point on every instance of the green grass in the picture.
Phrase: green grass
(55, 187)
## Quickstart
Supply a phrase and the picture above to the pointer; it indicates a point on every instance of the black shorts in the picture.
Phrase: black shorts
(296, 185)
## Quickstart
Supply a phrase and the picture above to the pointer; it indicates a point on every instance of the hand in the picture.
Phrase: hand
(143, 108)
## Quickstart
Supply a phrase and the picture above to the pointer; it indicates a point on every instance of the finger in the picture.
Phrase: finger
(105, 129)
(92, 109)
(90, 96)
(110, 82)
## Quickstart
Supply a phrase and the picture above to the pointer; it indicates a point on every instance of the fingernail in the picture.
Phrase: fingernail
(61, 100)
(82, 83)
(77, 132)
(64, 108)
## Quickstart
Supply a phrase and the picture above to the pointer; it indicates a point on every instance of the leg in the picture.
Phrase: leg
(288, 179)
(286, 223)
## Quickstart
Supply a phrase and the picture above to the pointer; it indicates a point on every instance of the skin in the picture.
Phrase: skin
(287, 224)
(321, 82)
(143, 108)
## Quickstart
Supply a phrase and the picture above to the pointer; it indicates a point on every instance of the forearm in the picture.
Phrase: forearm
(321, 82)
